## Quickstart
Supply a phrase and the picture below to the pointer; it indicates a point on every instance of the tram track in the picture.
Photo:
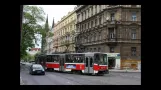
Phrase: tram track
(82, 79)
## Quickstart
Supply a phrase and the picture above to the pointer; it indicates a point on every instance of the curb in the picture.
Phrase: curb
(127, 71)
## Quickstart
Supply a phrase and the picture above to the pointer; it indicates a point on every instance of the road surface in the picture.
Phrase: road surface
(56, 78)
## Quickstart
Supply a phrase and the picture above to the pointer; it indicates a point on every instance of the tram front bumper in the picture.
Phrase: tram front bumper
(104, 71)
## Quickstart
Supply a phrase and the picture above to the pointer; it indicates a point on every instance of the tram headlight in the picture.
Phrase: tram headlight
(33, 69)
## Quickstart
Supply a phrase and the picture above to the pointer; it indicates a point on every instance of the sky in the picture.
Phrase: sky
(56, 12)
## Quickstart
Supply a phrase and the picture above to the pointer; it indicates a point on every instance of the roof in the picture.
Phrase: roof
(35, 49)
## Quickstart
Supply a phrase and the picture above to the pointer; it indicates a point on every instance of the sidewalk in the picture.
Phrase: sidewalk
(115, 70)
(21, 82)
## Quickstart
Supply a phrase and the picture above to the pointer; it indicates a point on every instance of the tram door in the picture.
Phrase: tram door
(88, 64)
(61, 61)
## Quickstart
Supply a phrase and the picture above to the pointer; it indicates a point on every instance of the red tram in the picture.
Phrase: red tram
(86, 63)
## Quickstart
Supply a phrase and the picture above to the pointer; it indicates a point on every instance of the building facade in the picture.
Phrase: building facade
(64, 33)
(110, 29)
(33, 51)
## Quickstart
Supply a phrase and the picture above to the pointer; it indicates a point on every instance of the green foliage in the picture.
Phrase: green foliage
(32, 17)
(28, 57)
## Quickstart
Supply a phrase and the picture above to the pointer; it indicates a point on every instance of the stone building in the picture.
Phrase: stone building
(64, 33)
(110, 29)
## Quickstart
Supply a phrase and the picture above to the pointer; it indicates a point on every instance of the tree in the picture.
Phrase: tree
(32, 17)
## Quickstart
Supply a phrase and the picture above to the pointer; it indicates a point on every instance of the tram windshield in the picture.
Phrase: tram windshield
(101, 59)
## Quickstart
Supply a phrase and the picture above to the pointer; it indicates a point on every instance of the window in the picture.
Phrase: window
(100, 36)
(71, 27)
(91, 62)
(90, 38)
(112, 17)
(94, 36)
(84, 14)
(86, 61)
(111, 32)
(66, 37)
(87, 14)
(133, 34)
(91, 11)
(88, 24)
(87, 49)
(111, 49)
(95, 9)
(97, 58)
(87, 38)
(133, 16)
(95, 22)
(99, 49)
(100, 7)
(91, 23)
(49, 59)
(95, 50)
(100, 20)
(133, 51)
(55, 58)
(74, 26)
(90, 49)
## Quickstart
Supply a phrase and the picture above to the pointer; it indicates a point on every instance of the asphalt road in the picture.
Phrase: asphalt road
(56, 78)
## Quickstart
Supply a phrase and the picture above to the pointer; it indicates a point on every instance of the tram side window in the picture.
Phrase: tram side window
(102, 59)
(86, 61)
(91, 62)
(97, 58)
(56, 58)
(49, 59)
(69, 59)
(53, 59)
(78, 59)
(105, 59)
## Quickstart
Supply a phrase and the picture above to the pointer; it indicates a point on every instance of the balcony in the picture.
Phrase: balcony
(67, 33)
(66, 42)
(111, 40)
(111, 21)
(55, 46)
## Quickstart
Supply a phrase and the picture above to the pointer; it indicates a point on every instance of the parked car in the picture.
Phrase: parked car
(36, 69)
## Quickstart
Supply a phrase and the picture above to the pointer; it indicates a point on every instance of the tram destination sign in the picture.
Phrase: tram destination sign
(71, 66)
